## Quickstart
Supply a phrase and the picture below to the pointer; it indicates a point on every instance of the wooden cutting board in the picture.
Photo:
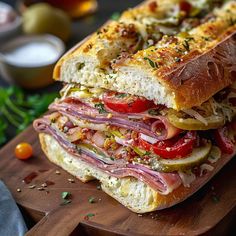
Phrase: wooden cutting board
(211, 211)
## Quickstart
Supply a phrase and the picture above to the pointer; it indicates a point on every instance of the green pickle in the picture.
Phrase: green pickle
(198, 156)
(178, 120)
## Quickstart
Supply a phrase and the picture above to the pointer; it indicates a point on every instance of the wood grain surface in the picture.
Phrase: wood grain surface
(210, 210)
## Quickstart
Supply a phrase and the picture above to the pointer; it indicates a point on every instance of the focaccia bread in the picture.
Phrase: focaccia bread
(169, 72)
(148, 105)
(129, 191)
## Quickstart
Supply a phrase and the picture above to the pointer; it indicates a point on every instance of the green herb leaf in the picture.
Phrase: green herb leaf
(115, 16)
(18, 110)
(89, 215)
(100, 107)
(65, 195)
(215, 198)
(80, 65)
(153, 112)
(186, 45)
(65, 202)
(91, 199)
(151, 63)
(121, 95)
(232, 21)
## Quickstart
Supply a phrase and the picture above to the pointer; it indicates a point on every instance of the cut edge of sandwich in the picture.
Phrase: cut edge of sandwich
(129, 191)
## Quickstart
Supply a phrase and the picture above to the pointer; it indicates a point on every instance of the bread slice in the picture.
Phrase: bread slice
(92, 59)
(179, 72)
(129, 191)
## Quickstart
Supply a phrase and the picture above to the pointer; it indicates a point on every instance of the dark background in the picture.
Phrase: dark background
(80, 29)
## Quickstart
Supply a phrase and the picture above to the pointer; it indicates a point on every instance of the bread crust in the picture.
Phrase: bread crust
(206, 69)
(124, 186)
(195, 81)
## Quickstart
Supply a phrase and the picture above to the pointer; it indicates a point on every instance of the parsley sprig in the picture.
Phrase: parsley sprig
(18, 110)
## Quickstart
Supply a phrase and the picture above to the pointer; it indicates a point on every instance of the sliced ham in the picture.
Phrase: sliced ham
(76, 108)
(164, 183)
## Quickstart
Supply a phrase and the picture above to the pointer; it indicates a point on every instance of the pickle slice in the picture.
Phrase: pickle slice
(197, 156)
(177, 119)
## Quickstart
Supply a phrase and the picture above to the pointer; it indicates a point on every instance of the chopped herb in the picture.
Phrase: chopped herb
(232, 21)
(78, 150)
(100, 107)
(121, 95)
(115, 16)
(147, 153)
(206, 38)
(215, 198)
(151, 63)
(80, 66)
(186, 45)
(91, 199)
(65, 202)
(153, 112)
(112, 158)
(89, 215)
(65, 195)
(189, 39)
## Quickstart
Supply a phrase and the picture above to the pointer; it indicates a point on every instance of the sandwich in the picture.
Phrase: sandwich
(148, 103)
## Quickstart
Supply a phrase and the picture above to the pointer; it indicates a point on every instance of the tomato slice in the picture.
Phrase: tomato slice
(125, 103)
(223, 140)
(185, 6)
(172, 148)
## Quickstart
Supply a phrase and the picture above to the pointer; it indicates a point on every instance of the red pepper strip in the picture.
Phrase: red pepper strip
(223, 141)
(172, 148)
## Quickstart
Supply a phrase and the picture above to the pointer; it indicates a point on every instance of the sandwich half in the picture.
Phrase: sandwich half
(148, 104)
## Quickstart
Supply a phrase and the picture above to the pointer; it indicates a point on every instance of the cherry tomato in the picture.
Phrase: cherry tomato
(125, 103)
(222, 139)
(23, 151)
(172, 148)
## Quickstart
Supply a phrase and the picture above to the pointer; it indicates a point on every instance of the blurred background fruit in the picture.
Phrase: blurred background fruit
(42, 18)
(74, 8)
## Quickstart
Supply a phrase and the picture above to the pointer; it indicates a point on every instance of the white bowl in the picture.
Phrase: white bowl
(13, 28)
(32, 72)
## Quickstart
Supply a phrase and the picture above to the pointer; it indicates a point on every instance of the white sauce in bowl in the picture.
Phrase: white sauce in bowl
(32, 54)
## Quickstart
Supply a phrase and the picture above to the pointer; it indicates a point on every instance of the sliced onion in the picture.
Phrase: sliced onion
(187, 178)
(148, 138)
(205, 167)
(74, 134)
(123, 142)
(99, 139)
(196, 115)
